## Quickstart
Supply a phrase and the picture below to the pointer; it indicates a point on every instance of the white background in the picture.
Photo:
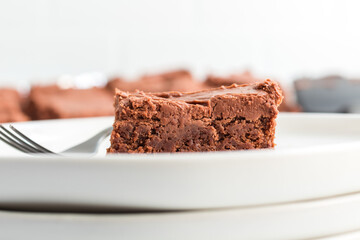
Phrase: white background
(42, 39)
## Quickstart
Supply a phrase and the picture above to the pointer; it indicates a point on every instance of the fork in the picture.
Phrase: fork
(21, 142)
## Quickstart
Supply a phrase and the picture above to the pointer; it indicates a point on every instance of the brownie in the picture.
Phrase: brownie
(179, 80)
(10, 106)
(52, 102)
(225, 118)
(120, 83)
(242, 78)
(288, 104)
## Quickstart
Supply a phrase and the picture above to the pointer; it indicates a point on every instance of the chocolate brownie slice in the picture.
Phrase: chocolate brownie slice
(10, 106)
(225, 118)
(52, 102)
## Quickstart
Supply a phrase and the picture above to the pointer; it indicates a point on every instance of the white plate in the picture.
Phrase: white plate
(335, 219)
(318, 155)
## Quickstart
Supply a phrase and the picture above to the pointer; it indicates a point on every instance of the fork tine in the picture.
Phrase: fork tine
(17, 141)
(36, 145)
(14, 145)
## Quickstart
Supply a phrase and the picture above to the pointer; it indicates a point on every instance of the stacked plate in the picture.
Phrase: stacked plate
(307, 188)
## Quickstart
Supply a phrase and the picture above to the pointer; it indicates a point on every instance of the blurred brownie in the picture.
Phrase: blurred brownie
(180, 80)
(52, 102)
(288, 104)
(242, 78)
(10, 106)
(226, 118)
